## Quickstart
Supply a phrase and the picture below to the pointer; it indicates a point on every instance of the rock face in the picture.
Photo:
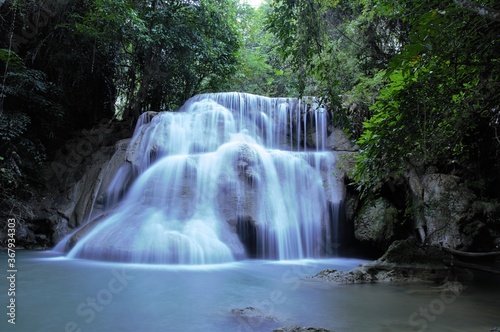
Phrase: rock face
(338, 141)
(254, 319)
(251, 313)
(448, 213)
(237, 196)
(439, 209)
(88, 190)
(376, 223)
(447, 207)
(75, 180)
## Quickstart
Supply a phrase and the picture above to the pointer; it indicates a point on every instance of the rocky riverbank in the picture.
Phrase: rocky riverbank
(405, 261)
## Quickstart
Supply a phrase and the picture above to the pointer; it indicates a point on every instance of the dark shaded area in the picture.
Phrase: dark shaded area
(247, 232)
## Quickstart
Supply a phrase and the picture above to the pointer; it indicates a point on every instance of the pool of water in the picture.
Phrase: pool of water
(54, 293)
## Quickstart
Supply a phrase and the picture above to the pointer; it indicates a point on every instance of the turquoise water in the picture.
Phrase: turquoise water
(58, 294)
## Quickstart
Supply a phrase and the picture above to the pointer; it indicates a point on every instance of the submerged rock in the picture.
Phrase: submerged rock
(301, 329)
(251, 319)
(253, 313)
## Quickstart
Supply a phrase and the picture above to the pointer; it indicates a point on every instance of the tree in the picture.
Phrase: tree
(31, 111)
(440, 106)
(260, 68)
(339, 49)
(166, 51)
(64, 64)
(414, 81)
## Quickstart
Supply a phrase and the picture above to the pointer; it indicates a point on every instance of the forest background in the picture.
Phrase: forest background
(415, 84)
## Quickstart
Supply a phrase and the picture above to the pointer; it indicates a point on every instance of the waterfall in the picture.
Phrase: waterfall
(229, 176)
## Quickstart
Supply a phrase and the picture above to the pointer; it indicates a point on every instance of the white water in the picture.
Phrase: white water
(228, 176)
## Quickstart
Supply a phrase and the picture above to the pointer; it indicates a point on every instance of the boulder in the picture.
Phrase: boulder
(448, 207)
(76, 178)
(338, 141)
(252, 313)
(404, 262)
(60, 228)
(254, 319)
(241, 173)
(78, 203)
(376, 223)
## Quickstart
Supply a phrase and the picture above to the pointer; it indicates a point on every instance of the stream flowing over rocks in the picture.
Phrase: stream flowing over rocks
(93, 173)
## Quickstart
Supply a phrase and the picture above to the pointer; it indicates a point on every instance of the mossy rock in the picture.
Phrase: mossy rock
(410, 251)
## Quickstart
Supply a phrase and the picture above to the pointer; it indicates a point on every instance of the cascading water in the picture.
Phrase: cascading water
(229, 176)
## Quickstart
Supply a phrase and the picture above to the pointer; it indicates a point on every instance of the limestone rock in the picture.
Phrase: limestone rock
(252, 313)
(301, 329)
(376, 223)
(447, 206)
(338, 141)
(251, 318)
(61, 229)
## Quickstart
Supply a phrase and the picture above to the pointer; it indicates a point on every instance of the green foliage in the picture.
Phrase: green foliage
(339, 48)
(299, 27)
(438, 101)
(416, 82)
(12, 60)
(166, 51)
(30, 112)
(260, 69)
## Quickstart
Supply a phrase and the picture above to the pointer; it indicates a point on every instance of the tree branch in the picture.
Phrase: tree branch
(473, 266)
(471, 254)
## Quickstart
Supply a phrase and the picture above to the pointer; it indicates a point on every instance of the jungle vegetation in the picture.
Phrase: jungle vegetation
(414, 83)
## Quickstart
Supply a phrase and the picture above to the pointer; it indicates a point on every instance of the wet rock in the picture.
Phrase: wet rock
(253, 317)
(448, 206)
(376, 223)
(338, 141)
(355, 276)
(247, 231)
(404, 262)
(33, 234)
(252, 312)
(61, 229)
(237, 194)
(135, 149)
(410, 251)
(79, 173)
(301, 329)
(385, 273)
(84, 231)
(316, 127)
